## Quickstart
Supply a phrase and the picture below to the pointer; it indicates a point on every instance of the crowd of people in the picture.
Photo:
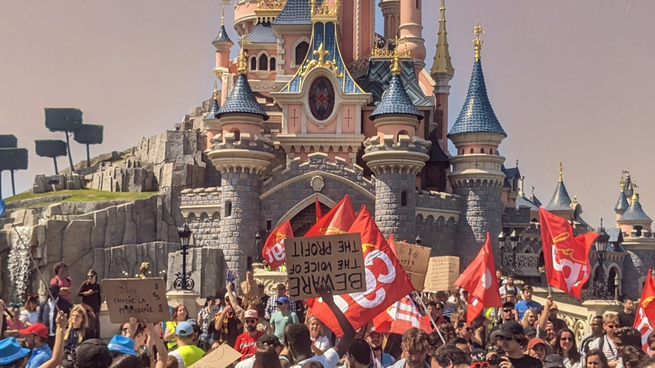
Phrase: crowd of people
(273, 331)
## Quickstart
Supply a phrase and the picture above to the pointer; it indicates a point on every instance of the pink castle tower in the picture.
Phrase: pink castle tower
(411, 31)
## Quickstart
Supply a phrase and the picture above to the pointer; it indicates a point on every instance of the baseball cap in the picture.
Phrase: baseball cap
(554, 306)
(536, 341)
(92, 353)
(283, 299)
(269, 339)
(529, 330)
(11, 351)
(37, 329)
(554, 361)
(122, 344)
(509, 329)
(184, 328)
(251, 313)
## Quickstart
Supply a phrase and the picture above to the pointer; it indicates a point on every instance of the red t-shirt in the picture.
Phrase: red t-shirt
(63, 283)
(246, 344)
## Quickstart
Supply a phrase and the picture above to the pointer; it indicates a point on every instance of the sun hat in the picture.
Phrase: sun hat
(122, 344)
(11, 351)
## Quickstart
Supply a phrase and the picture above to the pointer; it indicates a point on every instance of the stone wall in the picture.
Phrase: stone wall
(437, 234)
(206, 266)
(392, 187)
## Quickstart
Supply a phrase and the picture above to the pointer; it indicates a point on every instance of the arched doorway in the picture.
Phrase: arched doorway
(305, 219)
(611, 282)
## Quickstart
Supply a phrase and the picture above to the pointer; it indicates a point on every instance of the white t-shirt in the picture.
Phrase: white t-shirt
(322, 343)
(503, 290)
(246, 363)
(329, 359)
(31, 317)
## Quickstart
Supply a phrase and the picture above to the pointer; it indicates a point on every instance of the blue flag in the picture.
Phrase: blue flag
(3, 207)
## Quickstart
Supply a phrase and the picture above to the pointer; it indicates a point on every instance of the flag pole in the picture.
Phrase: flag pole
(425, 310)
(36, 267)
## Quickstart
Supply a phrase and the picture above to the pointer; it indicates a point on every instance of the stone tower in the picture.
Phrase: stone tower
(442, 72)
(477, 175)
(241, 154)
(395, 156)
(390, 12)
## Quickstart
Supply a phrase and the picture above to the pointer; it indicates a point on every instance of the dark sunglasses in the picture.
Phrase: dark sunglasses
(251, 321)
(506, 338)
(507, 310)
(611, 326)
(124, 329)
(566, 339)
(480, 365)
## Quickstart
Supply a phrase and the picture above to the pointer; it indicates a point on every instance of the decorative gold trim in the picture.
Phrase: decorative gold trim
(477, 43)
(388, 52)
(321, 52)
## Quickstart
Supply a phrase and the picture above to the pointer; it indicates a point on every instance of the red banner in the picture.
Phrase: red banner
(400, 317)
(337, 221)
(646, 312)
(273, 250)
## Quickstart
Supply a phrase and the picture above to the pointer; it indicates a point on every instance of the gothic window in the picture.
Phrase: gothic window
(481, 150)
(321, 98)
(472, 151)
(301, 52)
(272, 62)
(402, 132)
(263, 62)
(253, 63)
(228, 208)
(403, 199)
(491, 151)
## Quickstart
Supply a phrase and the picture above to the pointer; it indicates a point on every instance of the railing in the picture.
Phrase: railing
(526, 263)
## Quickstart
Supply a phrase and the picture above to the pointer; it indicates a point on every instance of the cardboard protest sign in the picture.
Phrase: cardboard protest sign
(220, 357)
(140, 298)
(334, 260)
(415, 260)
(442, 273)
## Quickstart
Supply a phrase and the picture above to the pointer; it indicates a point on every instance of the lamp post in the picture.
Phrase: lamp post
(599, 288)
(514, 241)
(183, 280)
(417, 241)
(258, 242)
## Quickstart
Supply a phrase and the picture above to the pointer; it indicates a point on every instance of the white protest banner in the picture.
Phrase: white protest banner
(220, 357)
(334, 260)
(415, 260)
(140, 298)
(442, 273)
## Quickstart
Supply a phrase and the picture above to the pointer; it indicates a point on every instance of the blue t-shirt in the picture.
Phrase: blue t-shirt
(39, 357)
(523, 306)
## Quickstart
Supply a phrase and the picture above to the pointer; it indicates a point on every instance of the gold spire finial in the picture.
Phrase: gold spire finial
(477, 43)
(635, 196)
(215, 96)
(561, 170)
(442, 63)
(622, 183)
(242, 61)
(396, 67)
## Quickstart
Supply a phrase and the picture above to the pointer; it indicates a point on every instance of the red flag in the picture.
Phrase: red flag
(566, 257)
(479, 279)
(318, 209)
(273, 250)
(386, 280)
(646, 312)
(337, 221)
(392, 244)
(400, 317)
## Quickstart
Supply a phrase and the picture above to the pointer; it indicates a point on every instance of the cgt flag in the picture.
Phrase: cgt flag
(646, 312)
(273, 250)
(566, 257)
(337, 221)
(400, 317)
(479, 279)
(386, 281)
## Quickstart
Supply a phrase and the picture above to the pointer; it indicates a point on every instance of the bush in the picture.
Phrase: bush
(13, 159)
(89, 134)
(63, 119)
(50, 148)
(8, 141)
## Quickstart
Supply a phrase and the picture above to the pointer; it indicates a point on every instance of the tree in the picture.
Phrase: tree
(89, 134)
(12, 159)
(51, 148)
(66, 120)
(8, 141)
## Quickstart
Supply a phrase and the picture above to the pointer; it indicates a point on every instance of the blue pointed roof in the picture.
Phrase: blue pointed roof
(262, 33)
(634, 213)
(477, 115)
(561, 200)
(213, 111)
(621, 204)
(241, 100)
(395, 101)
(222, 35)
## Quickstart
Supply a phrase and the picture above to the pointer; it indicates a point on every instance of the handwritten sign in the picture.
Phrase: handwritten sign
(415, 260)
(220, 357)
(140, 298)
(442, 273)
(334, 260)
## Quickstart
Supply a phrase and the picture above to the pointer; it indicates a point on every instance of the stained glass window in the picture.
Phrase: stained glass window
(321, 98)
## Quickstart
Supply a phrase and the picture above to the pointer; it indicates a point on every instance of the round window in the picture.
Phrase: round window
(321, 98)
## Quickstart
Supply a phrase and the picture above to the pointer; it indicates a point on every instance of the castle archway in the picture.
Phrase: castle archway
(305, 219)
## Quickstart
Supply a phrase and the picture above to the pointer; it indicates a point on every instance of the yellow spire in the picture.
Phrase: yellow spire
(622, 183)
(223, 15)
(477, 43)
(396, 67)
(561, 169)
(442, 63)
(242, 61)
(635, 196)
(215, 89)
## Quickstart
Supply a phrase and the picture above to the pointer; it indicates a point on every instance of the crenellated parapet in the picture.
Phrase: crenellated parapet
(433, 206)
(241, 152)
(408, 155)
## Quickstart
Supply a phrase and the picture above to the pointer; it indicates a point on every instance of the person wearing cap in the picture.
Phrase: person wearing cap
(527, 302)
(13, 355)
(229, 322)
(549, 314)
(187, 353)
(554, 361)
(374, 340)
(92, 353)
(537, 348)
(511, 337)
(282, 318)
(270, 341)
(121, 345)
(507, 313)
(272, 302)
(246, 343)
(36, 338)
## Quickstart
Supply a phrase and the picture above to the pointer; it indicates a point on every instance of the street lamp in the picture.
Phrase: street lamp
(599, 289)
(258, 242)
(183, 280)
(514, 240)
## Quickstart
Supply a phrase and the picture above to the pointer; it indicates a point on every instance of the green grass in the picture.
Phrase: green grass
(83, 195)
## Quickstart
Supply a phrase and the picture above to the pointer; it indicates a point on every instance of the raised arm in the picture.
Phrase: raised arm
(348, 331)
(58, 350)
(162, 352)
(233, 298)
(543, 319)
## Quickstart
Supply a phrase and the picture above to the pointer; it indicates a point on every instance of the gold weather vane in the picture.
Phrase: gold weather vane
(477, 43)
(242, 61)
(561, 170)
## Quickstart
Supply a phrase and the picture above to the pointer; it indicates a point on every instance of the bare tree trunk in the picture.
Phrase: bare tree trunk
(70, 157)
(56, 169)
(88, 157)
(13, 184)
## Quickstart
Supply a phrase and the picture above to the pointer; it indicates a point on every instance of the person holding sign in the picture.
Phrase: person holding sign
(282, 318)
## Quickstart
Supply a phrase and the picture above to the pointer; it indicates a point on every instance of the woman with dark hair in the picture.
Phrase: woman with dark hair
(204, 318)
(180, 313)
(30, 315)
(632, 357)
(62, 280)
(565, 346)
(92, 297)
(596, 359)
(266, 357)
(127, 361)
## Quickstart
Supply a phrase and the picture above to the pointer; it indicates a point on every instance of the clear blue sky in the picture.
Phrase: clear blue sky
(570, 81)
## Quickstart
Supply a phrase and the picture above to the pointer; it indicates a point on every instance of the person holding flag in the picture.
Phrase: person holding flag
(646, 313)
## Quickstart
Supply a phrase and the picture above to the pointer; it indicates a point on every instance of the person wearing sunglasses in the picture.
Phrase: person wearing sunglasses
(565, 346)
(607, 344)
(246, 343)
(91, 296)
(511, 338)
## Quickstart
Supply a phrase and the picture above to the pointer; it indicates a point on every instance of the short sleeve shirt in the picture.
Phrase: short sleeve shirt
(329, 359)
